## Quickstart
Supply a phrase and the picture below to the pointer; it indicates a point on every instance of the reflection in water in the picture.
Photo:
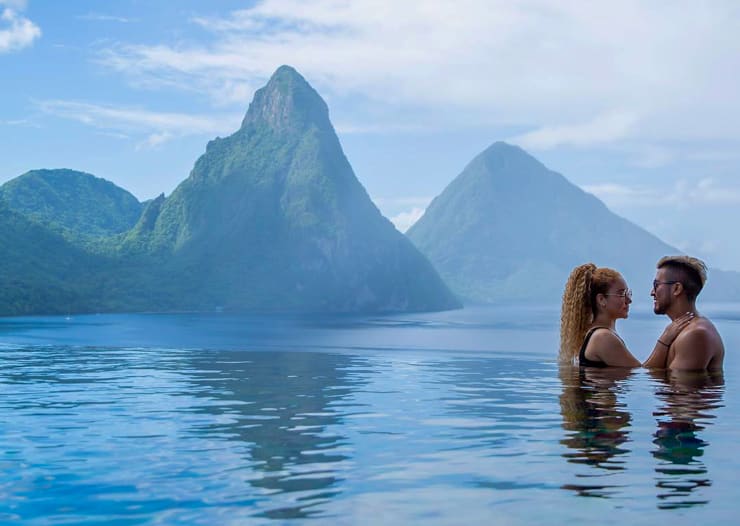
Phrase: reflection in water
(596, 424)
(280, 405)
(132, 436)
(687, 402)
(180, 436)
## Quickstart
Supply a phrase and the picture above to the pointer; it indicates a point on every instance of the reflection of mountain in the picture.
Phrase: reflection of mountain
(596, 424)
(279, 405)
(688, 401)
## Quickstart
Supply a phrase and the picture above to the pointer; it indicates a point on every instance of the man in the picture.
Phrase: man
(698, 346)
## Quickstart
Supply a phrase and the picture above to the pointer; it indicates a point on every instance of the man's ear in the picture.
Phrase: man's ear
(679, 288)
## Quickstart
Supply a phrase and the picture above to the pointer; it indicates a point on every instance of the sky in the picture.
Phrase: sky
(636, 102)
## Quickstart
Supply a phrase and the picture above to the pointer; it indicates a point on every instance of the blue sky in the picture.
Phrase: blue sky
(636, 102)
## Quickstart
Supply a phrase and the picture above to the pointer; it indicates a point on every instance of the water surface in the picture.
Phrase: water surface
(442, 418)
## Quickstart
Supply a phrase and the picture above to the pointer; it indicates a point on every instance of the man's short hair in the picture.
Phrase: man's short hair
(692, 273)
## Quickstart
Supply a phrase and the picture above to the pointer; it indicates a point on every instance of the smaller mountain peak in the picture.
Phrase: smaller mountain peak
(504, 148)
(502, 156)
(287, 101)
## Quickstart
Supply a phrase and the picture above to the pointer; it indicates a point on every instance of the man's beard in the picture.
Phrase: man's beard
(659, 308)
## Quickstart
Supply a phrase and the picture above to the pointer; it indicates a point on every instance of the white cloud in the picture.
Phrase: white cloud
(606, 128)
(683, 193)
(538, 65)
(99, 17)
(26, 123)
(16, 32)
(154, 140)
(158, 127)
(405, 220)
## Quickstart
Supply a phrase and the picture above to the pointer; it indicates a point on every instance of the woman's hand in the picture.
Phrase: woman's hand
(674, 329)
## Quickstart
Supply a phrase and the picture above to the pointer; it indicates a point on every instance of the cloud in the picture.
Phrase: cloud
(98, 17)
(405, 220)
(403, 211)
(682, 194)
(158, 127)
(25, 123)
(570, 73)
(154, 140)
(16, 32)
(603, 129)
(659, 155)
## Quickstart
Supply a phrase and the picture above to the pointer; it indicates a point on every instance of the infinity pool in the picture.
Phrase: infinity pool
(444, 418)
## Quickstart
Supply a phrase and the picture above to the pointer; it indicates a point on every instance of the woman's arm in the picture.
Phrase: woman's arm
(659, 356)
(610, 349)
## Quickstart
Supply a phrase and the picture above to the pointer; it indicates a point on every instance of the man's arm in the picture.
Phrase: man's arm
(693, 351)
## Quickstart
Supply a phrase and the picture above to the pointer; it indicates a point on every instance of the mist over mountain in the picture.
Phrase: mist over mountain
(271, 218)
(508, 228)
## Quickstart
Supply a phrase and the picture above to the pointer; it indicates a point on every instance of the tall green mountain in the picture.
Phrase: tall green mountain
(75, 204)
(507, 228)
(273, 218)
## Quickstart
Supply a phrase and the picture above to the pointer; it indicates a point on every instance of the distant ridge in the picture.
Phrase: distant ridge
(507, 228)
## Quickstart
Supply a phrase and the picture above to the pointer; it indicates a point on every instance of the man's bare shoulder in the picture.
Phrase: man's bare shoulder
(700, 330)
(699, 346)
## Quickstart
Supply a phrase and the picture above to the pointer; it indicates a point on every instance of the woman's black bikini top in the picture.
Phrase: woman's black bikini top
(582, 360)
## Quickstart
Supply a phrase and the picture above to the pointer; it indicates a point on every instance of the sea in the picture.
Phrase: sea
(459, 417)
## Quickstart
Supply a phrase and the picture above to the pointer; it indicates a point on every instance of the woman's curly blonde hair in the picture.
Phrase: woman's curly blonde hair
(579, 305)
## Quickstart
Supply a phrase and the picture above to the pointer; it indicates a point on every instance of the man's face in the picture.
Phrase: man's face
(662, 292)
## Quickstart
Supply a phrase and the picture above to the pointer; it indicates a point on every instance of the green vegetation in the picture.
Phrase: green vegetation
(271, 218)
(79, 206)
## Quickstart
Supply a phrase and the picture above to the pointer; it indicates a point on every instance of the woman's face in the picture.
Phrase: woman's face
(617, 300)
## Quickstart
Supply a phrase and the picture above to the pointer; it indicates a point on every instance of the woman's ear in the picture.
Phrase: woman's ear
(601, 300)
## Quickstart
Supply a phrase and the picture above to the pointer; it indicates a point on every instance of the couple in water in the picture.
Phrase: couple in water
(595, 298)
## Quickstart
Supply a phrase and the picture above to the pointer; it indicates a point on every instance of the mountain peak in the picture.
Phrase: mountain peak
(504, 161)
(504, 148)
(287, 102)
(511, 152)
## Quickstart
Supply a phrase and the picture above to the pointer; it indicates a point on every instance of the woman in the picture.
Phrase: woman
(593, 300)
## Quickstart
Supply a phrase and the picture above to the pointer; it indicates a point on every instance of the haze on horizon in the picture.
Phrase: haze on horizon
(636, 103)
